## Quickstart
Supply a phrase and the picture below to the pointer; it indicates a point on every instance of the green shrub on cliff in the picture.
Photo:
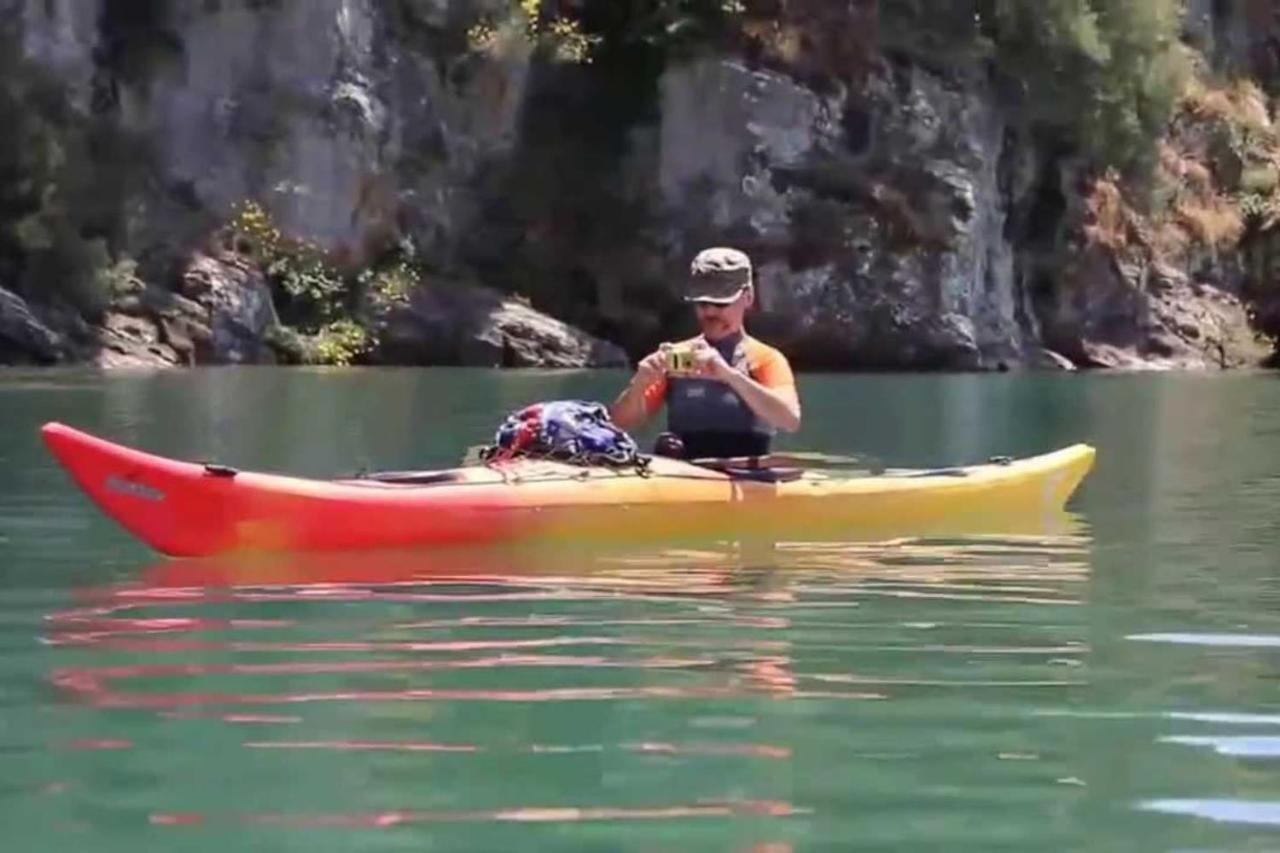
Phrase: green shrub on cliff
(340, 343)
(532, 23)
(309, 291)
(576, 30)
(389, 285)
(329, 310)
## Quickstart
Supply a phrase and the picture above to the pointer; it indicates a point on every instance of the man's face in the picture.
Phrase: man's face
(720, 321)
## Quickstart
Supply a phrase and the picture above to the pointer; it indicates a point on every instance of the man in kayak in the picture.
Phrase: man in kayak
(727, 394)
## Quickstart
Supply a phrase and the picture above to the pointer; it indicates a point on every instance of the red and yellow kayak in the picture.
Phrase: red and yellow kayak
(188, 509)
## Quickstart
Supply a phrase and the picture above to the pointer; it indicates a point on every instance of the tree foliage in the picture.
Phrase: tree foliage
(1108, 73)
(65, 181)
(1104, 74)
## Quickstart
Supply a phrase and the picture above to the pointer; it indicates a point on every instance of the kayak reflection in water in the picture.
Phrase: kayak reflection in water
(727, 394)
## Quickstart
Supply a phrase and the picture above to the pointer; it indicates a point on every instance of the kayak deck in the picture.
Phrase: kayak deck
(189, 509)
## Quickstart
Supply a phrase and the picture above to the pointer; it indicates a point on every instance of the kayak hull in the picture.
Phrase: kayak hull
(186, 509)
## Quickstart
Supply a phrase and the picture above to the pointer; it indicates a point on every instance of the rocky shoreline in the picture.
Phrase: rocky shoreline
(224, 315)
(1131, 317)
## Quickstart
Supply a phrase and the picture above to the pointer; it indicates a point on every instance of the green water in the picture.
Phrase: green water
(1114, 688)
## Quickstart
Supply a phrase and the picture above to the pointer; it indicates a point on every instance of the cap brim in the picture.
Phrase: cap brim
(713, 300)
(717, 298)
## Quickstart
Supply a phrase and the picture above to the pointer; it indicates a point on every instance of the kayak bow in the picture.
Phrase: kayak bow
(189, 509)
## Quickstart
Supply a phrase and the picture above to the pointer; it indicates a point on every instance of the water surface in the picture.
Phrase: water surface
(1111, 687)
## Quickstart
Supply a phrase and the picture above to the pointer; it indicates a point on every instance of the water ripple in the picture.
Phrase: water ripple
(1239, 641)
(523, 814)
(1257, 812)
(1234, 745)
(677, 672)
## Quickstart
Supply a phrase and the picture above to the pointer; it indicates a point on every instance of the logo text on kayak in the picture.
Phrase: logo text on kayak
(119, 484)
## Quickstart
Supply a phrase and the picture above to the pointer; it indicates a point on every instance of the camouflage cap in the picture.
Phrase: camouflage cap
(718, 275)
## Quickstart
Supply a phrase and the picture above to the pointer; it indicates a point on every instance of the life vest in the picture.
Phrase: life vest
(709, 416)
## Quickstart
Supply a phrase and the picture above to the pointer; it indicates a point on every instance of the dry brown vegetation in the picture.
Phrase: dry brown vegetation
(1216, 178)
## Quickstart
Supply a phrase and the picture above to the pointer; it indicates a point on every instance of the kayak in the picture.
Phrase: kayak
(193, 509)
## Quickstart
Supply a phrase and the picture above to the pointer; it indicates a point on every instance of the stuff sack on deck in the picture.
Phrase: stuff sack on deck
(570, 430)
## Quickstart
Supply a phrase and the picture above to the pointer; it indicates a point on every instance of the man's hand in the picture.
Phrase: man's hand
(709, 363)
(652, 367)
(779, 407)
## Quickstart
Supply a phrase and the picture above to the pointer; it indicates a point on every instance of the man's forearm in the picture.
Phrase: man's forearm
(779, 408)
(628, 410)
